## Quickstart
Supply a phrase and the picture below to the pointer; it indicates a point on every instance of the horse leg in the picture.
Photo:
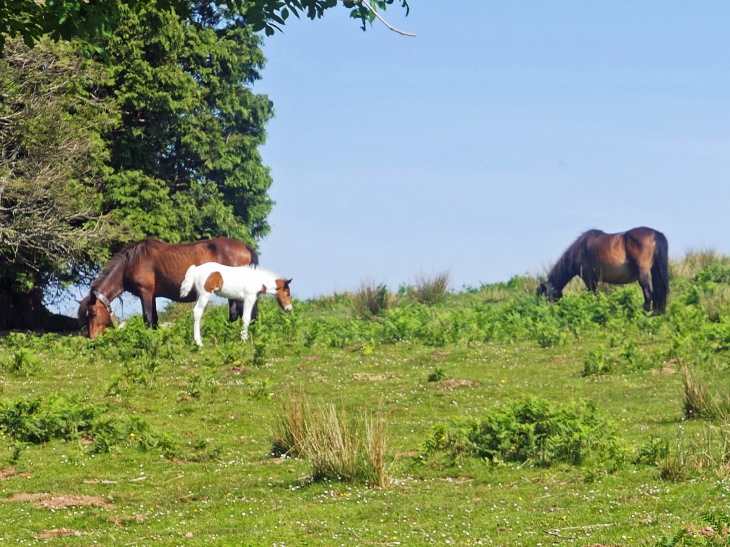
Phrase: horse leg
(149, 310)
(646, 288)
(235, 310)
(198, 310)
(155, 320)
(590, 281)
(255, 310)
(248, 305)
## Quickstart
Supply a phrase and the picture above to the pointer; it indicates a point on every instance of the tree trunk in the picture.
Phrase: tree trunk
(26, 311)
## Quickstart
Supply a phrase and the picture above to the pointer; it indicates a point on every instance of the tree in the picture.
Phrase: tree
(162, 142)
(51, 154)
(185, 157)
(88, 20)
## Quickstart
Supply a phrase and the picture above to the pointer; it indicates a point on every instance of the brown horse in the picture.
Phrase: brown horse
(615, 258)
(152, 268)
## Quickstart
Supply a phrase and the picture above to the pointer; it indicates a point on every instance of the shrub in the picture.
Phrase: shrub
(437, 375)
(598, 362)
(527, 429)
(653, 452)
(23, 363)
(548, 334)
(38, 421)
(135, 373)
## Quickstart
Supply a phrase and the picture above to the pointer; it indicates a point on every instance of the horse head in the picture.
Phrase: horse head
(547, 288)
(283, 295)
(94, 314)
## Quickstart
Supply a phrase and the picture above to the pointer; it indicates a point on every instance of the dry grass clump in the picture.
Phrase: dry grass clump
(371, 299)
(715, 301)
(496, 293)
(430, 290)
(290, 428)
(339, 446)
(694, 262)
(697, 400)
(707, 451)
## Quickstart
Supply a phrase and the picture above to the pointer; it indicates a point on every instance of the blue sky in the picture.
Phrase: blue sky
(487, 144)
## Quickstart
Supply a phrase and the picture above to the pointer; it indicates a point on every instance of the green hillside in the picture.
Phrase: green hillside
(501, 420)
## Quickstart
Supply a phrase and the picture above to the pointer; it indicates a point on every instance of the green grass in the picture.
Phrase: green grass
(178, 439)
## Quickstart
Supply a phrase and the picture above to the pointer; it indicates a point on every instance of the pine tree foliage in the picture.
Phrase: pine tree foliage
(185, 157)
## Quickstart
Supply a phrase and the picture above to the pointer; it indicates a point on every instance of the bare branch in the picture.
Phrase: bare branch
(367, 5)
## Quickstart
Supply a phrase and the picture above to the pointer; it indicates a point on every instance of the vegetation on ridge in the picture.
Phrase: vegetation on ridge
(487, 417)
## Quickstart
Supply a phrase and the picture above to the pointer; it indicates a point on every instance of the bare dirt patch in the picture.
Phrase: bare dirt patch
(310, 357)
(49, 534)
(25, 496)
(99, 481)
(9, 473)
(369, 377)
(453, 384)
(58, 502)
(440, 354)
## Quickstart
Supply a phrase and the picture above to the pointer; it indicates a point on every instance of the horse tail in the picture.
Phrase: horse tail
(660, 273)
(187, 285)
(254, 256)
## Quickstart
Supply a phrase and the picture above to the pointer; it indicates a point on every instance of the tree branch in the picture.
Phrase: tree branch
(367, 5)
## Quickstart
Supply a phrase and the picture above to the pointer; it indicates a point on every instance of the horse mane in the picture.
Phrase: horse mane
(565, 268)
(129, 254)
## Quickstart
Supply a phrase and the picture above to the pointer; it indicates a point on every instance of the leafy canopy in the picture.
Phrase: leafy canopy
(89, 19)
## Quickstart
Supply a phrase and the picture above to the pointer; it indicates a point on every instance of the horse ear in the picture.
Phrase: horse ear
(288, 281)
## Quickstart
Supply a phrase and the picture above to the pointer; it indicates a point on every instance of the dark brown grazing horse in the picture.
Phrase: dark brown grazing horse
(153, 268)
(615, 258)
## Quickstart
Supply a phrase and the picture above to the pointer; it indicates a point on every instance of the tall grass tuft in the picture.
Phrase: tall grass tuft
(431, 290)
(696, 398)
(371, 299)
(339, 447)
(376, 437)
(694, 262)
(715, 300)
(703, 452)
(291, 427)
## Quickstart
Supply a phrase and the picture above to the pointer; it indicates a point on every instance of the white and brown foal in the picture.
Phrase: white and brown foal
(237, 283)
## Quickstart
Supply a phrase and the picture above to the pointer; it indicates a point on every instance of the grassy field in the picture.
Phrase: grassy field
(141, 438)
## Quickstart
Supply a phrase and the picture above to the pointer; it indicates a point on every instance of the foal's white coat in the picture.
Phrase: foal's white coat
(239, 283)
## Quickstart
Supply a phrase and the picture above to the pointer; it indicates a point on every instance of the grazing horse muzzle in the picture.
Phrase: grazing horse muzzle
(547, 288)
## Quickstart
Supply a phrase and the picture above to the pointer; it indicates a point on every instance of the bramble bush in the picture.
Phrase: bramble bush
(529, 429)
